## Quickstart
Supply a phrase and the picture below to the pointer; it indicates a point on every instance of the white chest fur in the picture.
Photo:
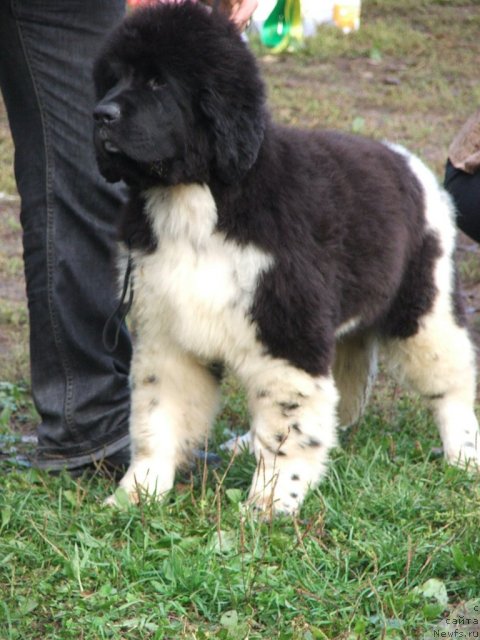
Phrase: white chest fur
(196, 289)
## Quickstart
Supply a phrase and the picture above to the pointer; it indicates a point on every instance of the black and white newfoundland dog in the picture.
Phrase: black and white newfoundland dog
(293, 257)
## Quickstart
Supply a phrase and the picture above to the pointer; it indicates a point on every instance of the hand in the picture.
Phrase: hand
(239, 11)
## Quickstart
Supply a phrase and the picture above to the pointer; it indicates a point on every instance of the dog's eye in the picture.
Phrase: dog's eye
(155, 83)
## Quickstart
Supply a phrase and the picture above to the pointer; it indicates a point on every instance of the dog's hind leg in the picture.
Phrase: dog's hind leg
(293, 429)
(354, 371)
(174, 401)
(437, 359)
(439, 363)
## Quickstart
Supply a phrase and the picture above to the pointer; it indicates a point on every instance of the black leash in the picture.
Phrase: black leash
(121, 308)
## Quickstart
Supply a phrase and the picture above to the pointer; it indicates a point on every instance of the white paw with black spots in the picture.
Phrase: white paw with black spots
(284, 491)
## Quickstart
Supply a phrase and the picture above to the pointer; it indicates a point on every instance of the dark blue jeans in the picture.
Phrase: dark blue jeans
(68, 215)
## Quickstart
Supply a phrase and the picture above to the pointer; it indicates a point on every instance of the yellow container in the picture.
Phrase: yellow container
(346, 15)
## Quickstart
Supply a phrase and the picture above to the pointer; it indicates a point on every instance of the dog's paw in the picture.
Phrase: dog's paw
(121, 499)
(280, 492)
(117, 500)
(142, 481)
(111, 501)
(266, 505)
(466, 456)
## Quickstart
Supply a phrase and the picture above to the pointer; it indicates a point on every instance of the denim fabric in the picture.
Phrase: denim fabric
(68, 215)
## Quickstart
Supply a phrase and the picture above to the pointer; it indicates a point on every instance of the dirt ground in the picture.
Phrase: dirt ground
(12, 286)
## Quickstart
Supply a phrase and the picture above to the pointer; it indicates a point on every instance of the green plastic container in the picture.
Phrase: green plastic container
(283, 29)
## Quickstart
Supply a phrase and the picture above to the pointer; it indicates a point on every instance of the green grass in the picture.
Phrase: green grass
(389, 517)
(389, 540)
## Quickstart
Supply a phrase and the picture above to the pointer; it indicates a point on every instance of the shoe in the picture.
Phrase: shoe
(112, 467)
(116, 465)
(211, 459)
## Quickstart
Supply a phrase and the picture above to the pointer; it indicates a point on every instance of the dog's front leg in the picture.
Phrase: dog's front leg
(174, 400)
(293, 429)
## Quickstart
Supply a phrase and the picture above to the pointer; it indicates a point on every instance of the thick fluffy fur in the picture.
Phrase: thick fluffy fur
(291, 256)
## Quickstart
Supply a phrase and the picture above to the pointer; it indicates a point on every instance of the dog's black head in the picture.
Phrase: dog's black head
(180, 99)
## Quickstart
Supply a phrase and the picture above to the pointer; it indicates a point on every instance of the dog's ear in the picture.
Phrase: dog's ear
(236, 130)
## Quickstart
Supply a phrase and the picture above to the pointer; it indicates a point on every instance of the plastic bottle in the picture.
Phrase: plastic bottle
(346, 15)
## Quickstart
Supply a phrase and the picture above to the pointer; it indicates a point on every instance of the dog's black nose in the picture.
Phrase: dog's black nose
(107, 112)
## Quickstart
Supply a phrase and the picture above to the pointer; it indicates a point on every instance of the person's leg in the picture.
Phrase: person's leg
(68, 217)
(465, 190)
